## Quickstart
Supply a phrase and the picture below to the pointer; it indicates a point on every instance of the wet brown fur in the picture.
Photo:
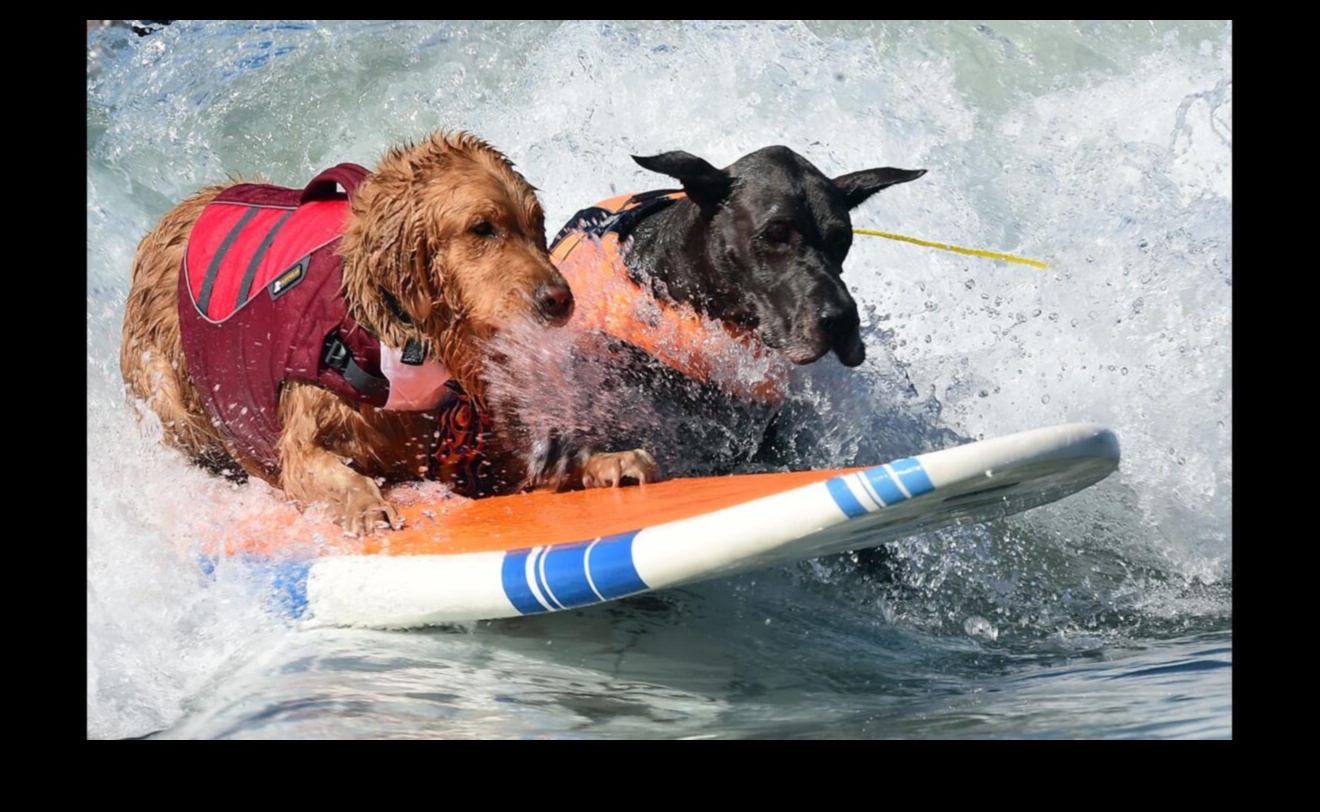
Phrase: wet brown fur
(457, 236)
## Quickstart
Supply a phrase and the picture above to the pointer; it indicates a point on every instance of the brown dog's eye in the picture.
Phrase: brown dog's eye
(778, 233)
(483, 229)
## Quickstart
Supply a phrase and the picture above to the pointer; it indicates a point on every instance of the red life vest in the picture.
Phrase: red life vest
(261, 302)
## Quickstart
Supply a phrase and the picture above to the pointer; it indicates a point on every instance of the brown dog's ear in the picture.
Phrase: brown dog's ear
(705, 185)
(858, 186)
(415, 290)
(386, 248)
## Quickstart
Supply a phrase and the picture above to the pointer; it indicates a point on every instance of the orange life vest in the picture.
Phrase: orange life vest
(589, 253)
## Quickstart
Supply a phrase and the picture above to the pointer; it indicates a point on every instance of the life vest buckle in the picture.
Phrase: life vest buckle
(413, 354)
(337, 354)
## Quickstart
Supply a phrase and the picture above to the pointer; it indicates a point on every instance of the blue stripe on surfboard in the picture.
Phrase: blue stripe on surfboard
(913, 476)
(884, 485)
(889, 484)
(612, 569)
(290, 588)
(569, 575)
(565, 582)
(288, 580)
(843, 497)
(538, 572)
(514, 576)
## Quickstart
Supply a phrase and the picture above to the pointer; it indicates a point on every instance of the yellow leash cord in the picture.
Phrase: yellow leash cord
(976, 252)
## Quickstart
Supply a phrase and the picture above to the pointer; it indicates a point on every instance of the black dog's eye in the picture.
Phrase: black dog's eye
(483, 229)
(777, 233)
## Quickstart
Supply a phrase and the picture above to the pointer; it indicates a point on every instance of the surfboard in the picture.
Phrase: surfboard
(458, 560)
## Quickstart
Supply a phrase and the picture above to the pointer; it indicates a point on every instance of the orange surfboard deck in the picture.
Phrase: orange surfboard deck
(449, 525)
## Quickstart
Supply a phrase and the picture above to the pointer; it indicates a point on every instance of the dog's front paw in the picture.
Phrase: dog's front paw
(614, 468)
(366, 510)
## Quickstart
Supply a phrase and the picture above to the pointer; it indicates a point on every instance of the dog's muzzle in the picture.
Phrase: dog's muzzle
(554, 301)
(843, 328)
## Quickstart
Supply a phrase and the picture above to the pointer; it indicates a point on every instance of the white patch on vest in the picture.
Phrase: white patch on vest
(412, 388)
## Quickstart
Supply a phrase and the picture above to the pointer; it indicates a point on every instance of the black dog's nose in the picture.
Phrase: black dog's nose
(555, 302)
(843, 327)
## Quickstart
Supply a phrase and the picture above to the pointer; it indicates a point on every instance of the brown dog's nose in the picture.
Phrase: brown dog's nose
(555, 302)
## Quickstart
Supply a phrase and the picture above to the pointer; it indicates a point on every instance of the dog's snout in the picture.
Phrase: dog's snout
(555, 301)
(838, 321)
(843, 327)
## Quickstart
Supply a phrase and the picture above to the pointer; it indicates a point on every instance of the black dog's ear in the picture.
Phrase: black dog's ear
(705, 185)
(858, 186)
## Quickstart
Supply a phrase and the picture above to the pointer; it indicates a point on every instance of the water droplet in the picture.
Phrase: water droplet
(1044, 398)
(977, 626)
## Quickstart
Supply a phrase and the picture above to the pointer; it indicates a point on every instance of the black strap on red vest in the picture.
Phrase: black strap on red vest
(339, 357)
(597, 221)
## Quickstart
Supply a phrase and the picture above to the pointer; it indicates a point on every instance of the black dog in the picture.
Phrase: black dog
(756, 248)
(761, 244)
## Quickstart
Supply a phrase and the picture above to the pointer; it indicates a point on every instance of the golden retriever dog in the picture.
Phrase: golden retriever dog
(320, 339)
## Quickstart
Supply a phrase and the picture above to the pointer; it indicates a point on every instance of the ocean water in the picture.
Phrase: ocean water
(1103, 148)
